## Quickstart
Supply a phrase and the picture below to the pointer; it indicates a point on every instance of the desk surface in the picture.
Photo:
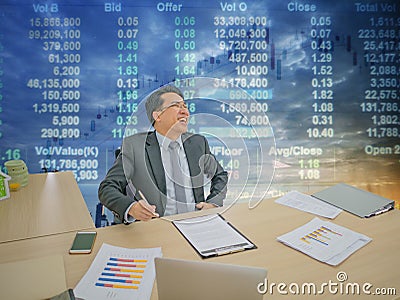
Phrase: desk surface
(377, 263)
(50, 203)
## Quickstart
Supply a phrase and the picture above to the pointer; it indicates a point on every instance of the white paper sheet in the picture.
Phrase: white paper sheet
(212, 235)
(309, 204)
(325, 241)
(119, 273)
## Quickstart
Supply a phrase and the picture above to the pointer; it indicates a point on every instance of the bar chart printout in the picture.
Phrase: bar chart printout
(119, 273)
(325, 241)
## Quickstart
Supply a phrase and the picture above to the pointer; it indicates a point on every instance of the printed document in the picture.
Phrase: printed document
(119, 273)
(212, 235)
(309, 204)
(325, 241)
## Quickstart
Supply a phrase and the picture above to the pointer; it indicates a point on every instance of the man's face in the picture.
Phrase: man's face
(173, 117)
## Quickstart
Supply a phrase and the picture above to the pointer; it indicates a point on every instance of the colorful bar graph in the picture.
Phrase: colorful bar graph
(128, 260)
(116, 273)
(320, 235)
(124, 270)
(310, 236)
(305, 240)
(119, 280)
(125, 265)
(117, 286)
(122, 275)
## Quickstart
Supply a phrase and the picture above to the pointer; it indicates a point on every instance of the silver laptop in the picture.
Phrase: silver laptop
(356, 201)
(185, 279)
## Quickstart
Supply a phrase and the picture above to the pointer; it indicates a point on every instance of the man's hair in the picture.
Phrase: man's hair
(154, 101)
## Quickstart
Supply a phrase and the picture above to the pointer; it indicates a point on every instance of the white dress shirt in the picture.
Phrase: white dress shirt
(171, 207)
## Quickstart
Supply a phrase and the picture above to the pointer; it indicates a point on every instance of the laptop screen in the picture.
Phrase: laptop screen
(185, 279)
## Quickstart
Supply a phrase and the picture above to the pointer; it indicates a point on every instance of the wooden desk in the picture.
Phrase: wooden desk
(50, 203)
(376, 263)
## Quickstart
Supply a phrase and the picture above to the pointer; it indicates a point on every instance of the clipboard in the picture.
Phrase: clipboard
(356, 201)
(212, 235)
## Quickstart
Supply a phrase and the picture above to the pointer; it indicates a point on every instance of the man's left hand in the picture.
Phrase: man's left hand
(205, 205)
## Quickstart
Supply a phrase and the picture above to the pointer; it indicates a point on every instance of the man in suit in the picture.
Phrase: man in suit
(149, 179)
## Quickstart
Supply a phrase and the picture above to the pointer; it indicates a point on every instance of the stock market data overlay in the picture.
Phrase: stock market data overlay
(292, 95)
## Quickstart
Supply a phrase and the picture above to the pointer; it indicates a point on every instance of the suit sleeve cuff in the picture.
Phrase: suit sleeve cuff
(128, 218)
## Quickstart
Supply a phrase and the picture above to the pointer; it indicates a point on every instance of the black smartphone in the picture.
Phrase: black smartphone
(83, 242)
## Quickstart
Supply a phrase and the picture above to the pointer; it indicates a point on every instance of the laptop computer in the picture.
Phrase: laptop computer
(185, 279)
(356, 201)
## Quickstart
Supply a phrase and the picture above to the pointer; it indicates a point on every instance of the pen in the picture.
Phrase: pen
(147, 202)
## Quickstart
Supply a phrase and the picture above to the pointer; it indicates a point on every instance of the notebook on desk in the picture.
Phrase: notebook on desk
(185, 279)
(356, 201)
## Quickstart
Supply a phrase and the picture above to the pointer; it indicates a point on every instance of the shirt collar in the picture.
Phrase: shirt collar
(164, 142)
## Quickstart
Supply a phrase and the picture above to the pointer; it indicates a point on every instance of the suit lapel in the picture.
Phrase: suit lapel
(154, 163)
(193, 154)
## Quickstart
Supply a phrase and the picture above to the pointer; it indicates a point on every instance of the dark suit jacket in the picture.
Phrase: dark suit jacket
(140, 162)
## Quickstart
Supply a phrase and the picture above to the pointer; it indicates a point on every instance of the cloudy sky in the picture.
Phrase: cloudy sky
(290, 105)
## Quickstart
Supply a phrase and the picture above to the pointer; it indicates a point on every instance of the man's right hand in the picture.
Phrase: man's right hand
(142, 211)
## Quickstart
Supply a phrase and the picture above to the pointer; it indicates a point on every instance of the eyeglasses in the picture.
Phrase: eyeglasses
(175, 104)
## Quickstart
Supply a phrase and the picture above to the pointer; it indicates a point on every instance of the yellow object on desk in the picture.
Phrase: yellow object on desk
(18, 171)
(14, 186)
